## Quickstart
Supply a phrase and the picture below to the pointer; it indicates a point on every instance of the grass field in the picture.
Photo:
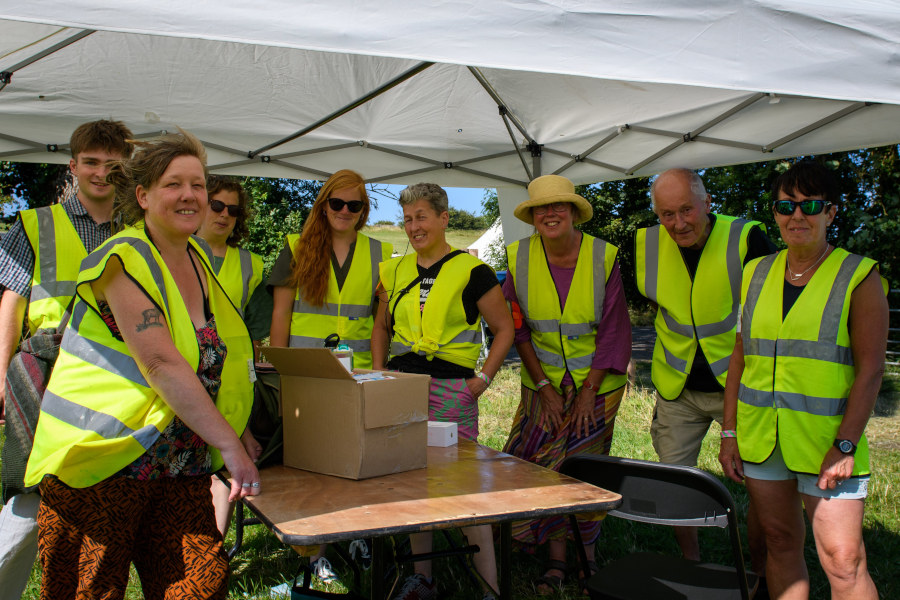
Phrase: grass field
(458, 238)
(265, 563)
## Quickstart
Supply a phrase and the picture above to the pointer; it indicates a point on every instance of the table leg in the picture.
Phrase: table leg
(378, 563)
(505, 560)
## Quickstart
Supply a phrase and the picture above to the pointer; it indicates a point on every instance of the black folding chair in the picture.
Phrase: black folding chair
(663, 494)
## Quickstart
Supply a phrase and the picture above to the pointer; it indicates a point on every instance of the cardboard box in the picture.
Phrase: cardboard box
(336, 425)
(442, 434)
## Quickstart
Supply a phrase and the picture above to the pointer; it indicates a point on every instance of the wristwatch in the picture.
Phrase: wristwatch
(845, 446)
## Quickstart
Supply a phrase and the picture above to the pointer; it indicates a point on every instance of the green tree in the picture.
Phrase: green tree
(30, 185)
(280, 207)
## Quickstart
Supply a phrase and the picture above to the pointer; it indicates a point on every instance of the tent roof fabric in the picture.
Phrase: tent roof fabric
(471, 93)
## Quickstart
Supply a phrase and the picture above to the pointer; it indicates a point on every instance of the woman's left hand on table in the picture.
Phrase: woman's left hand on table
(583, 412)
(836, 468)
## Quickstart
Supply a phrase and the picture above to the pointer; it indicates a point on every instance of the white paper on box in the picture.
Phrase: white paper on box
(441, 434)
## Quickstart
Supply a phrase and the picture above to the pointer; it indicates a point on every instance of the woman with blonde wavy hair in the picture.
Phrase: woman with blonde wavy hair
(324, 279)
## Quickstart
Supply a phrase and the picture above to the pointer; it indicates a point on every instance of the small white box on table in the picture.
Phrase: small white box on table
(441, 434)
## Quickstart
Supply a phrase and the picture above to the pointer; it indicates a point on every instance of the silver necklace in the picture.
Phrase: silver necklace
(796, 276)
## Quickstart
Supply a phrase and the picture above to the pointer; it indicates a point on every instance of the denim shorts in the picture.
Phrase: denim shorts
(774, 469)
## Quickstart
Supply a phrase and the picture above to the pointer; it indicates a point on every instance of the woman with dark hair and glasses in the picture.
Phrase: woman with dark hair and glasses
(324, 281)
(240, 272)
(802, 383)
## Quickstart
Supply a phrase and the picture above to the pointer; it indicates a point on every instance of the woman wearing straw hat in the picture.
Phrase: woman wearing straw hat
(574, 336)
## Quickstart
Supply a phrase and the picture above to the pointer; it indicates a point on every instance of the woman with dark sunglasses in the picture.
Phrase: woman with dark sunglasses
(324, 279)
(240, 272)
(324, 283)
(801, 385)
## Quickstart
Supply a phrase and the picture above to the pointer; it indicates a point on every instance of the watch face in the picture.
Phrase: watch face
(845, 446)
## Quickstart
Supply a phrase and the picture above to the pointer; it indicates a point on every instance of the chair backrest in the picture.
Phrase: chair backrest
(655, 492)
(663, 494)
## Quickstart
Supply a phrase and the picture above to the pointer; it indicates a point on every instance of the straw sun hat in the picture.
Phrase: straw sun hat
(549, 189)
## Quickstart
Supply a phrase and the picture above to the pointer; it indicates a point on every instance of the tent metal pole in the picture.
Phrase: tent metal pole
(813, 126)
(467, 161)
(344, 110)
(729, 143)
(583, 156)
(316, 150)
(479, 76)
(6, 75)
(654, 156)
(36, 145)
(512, 138)
(731, 111)
(322, 174)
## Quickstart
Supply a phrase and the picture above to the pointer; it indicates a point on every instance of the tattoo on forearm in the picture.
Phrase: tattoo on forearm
(151, 319)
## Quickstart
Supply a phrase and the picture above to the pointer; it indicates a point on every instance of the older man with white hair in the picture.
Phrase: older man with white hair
(690, 266)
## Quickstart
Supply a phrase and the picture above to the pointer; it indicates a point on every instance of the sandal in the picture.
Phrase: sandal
(548, 584)
(582, 580)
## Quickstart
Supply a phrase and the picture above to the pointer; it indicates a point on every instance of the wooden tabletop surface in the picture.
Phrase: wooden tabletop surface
(466, 484)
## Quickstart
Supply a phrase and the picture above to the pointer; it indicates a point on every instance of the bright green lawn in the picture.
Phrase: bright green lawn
(265, 562)
(458, 238)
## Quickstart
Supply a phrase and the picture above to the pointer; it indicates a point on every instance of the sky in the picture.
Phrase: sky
(468, 199)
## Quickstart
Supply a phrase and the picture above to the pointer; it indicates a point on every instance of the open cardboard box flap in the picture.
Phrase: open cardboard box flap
(306, 362)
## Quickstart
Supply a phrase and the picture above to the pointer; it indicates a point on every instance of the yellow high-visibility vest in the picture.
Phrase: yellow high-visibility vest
(439, 329)
(99, 413)
(564, 340)
(700, 311)
(58, 252)
(798, 371)
(240, 274)
(347, 311)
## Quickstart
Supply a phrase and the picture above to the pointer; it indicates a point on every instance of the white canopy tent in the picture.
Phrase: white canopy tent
(466, 93)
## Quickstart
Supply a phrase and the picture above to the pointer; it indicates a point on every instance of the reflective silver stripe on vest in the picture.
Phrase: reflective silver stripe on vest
(103, 357)
(142, 248)
(720, 367)
(375, 257)
(812, 405)
(97, 354)
(831, 316)
(570, 329)
(302, 341)
(753, 290)
(50, 286)
(598, 252)
(673, 361)
(713, 329)
(733, 263)
(542, 325)
(651, 267)
(399, 349)
(52, 289)
(817, 350)
(522, 274)
(106, 426)
(246, 276)
(549, 358)
(674, 326)
(361, 311)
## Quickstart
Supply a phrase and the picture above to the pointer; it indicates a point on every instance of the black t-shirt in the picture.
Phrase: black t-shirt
(481, 280)
(789, 297)
(701, 378)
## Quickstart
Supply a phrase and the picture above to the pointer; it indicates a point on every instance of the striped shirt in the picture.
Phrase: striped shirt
(17, 256)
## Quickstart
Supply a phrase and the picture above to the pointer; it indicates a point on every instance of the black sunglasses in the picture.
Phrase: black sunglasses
(337, 205)
(807, 207)
(234, 210)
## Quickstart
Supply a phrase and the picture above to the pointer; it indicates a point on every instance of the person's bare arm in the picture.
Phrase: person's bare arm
(282, 309)
(729, 455)
(144, 330)
(495, 313)
(868, 324)
(380, 333)
(12, 314)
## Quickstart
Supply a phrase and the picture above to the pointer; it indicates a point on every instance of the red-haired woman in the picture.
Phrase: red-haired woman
(324, 279)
